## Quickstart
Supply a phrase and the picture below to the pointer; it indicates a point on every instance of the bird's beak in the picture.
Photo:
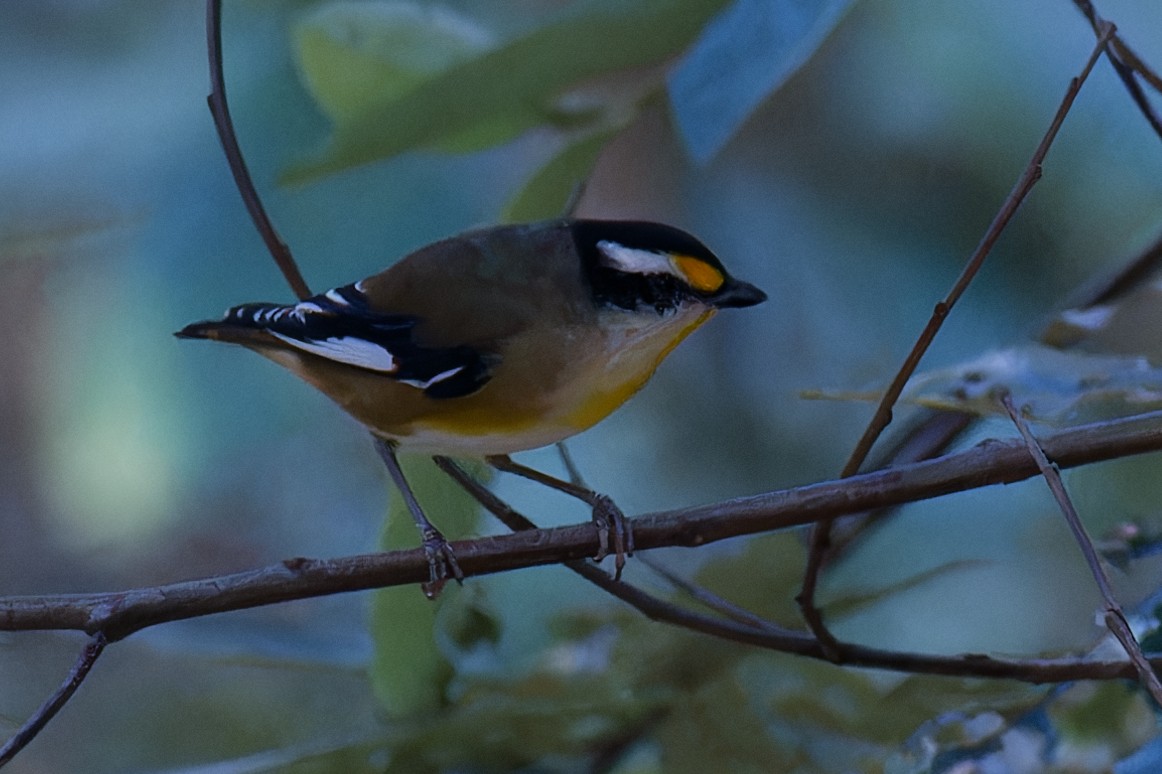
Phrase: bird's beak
(735, 294)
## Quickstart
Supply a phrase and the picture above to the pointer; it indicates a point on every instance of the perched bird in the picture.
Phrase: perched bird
(497, 340)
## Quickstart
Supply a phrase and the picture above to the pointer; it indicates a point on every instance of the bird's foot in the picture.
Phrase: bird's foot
(442, 565)
(609, 521)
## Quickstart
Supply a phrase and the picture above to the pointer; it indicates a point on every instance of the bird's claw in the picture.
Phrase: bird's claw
(442, 565)
(608, 520)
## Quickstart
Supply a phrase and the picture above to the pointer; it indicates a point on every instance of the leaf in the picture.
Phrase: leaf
(408, 672)
(508, 89)
(351, 54)
(548, 193)
(1128, 325)
(744, 54)
(1049, 385)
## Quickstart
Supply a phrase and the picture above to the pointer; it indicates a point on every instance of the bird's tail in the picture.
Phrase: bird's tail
(241, 325)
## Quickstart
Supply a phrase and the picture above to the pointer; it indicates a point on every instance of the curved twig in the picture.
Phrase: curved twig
(225, 126)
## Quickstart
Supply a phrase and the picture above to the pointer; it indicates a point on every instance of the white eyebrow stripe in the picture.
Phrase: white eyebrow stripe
(348, 349)
(634, 261)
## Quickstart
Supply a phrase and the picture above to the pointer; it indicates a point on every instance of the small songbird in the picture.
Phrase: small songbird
(497, 340)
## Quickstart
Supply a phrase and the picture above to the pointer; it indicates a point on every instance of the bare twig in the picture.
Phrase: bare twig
(705, 596)
(33, 726)
(929, 437)
(225, 126)
(570, 464)
(821, 534)
(608, 518)
(1126, 63)
(1115, 618)
(516, 522)
(1127, 279)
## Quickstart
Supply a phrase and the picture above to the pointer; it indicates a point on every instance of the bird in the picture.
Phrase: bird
(494, 341)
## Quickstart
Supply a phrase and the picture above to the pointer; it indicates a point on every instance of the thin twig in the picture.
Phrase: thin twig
(518, 522)
(1126, 63)
(570, 464)
(934, 430)
(1115, 618)
(1127, 279)
(114, 616)
(608, 518)
(33, 726)
(703, 595)
(225, 126)
(821, 534)
(706, 597)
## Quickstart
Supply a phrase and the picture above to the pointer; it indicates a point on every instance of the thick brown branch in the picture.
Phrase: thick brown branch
(119, 614)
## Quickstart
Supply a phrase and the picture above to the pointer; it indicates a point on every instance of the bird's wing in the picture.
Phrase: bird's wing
(340, 326)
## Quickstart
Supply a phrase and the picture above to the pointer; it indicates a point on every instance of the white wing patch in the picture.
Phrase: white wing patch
(351, 350)
(631, 260)
(425, 384)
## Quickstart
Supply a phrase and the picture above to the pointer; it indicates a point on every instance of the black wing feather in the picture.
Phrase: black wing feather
(343, 314)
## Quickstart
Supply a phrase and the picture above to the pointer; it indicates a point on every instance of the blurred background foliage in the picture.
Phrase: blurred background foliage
(851, 189)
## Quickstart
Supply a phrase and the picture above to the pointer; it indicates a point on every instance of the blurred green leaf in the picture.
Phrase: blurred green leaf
(351, 54)
(1104, 714)
(764, 578)
(547, 715)
(408, 672)
(504, 91)
(548, 193)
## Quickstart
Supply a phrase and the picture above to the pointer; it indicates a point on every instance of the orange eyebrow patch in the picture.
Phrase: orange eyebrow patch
(701, 275)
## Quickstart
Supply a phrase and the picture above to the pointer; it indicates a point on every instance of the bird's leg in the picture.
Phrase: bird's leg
(607, 517)
(575, 476)
(441, 560)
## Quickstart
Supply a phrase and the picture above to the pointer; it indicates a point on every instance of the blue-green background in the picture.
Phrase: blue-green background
(852, 196)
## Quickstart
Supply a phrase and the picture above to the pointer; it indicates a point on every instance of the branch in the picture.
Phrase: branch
(113, 616)
(53, 704)
(1115, 618)
(821, 534)
(119, 614)
(1126, 63)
